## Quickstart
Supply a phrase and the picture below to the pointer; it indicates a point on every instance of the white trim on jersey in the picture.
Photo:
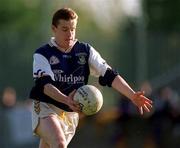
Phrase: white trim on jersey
(98, 65)
(41, 66)
(53, 43)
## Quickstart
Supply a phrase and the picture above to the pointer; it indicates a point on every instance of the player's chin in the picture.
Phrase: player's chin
(69, 43)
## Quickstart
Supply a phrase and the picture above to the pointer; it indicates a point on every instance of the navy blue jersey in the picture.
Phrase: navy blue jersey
(71, 70)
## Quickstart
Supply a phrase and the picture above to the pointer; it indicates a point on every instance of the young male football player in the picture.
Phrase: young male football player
(59, 68)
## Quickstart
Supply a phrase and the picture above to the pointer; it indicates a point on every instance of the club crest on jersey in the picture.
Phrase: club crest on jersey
(53, 60)
(82, 58)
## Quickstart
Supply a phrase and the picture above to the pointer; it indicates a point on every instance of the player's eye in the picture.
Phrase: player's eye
(64, 29)
(73, 29)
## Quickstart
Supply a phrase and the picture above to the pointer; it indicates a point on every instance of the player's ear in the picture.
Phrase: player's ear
(53, 28)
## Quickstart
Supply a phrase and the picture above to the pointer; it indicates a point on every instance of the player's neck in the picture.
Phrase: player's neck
(60, 47)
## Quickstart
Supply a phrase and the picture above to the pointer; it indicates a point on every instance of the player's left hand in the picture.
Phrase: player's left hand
(143, 103)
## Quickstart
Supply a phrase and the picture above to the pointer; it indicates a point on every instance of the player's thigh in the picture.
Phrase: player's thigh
(50, 130)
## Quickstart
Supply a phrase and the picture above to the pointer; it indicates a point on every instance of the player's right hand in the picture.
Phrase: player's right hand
(73, 104)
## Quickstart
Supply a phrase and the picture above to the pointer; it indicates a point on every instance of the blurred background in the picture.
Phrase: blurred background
(138, 38)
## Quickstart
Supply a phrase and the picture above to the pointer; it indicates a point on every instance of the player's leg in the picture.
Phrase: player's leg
(43, 144)
(51, 132)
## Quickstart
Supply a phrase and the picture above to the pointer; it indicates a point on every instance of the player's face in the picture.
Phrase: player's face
(65, 32)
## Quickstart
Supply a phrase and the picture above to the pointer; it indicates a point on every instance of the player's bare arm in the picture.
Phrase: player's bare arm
(56, 94)
(138, 98)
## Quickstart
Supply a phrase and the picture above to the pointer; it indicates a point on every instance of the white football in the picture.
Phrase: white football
(89, 98)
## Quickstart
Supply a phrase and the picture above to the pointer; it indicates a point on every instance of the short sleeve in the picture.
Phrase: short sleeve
(98, 65)
(41, 66)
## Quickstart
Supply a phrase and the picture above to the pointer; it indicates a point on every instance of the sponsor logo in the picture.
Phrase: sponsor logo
(70, 79)
(53, 60)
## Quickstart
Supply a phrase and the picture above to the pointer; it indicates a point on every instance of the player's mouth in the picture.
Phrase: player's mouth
(69, 41)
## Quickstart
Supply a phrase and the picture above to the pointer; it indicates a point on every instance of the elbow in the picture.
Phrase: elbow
(108, 78)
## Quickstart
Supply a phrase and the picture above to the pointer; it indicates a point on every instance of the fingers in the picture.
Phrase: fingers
(141, 110)
(145, 107)
(141, 94)
(148, 100)
(149, 105)
(75, 106)
(71, 95)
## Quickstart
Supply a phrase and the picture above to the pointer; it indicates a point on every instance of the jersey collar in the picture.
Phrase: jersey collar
(52, 43)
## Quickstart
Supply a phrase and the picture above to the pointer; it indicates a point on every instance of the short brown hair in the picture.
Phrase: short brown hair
(64, 14)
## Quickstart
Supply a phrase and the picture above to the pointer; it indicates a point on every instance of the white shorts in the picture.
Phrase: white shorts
(67, 120)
